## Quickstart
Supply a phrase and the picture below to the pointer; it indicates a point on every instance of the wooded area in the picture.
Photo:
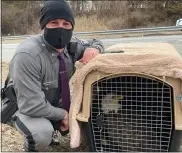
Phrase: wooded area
(22, 17)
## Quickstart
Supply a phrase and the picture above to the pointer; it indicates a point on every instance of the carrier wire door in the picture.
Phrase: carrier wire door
(131, 113)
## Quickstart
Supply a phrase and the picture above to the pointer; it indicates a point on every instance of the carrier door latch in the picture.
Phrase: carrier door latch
(99, 120)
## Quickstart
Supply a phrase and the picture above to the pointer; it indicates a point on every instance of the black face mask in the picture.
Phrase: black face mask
(58, 37)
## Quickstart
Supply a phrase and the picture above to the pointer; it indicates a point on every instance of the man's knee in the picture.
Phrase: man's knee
(43, 138)
(37, 132)
(38, 141)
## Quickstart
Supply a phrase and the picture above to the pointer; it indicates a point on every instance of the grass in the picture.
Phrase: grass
(85, 24)
(4, 66)
(12, 140)
(91, 23)
(13, 41)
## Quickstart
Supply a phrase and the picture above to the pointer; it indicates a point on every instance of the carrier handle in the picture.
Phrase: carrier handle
(114, 51)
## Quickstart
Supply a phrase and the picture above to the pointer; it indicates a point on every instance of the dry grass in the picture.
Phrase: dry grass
(12, 140)
(13, 41)
(92, 23)
(85, 24)
(4, 70)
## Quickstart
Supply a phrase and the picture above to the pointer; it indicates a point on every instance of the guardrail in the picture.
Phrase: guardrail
(111, 32)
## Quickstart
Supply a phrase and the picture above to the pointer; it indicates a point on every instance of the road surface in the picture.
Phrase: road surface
(176, 40)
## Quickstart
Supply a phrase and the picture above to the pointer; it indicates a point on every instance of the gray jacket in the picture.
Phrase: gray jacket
(34, 71)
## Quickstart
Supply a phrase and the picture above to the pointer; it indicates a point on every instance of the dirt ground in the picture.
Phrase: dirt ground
(12, 140)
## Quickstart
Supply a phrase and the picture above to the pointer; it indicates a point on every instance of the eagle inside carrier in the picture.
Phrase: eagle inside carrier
(127, 114)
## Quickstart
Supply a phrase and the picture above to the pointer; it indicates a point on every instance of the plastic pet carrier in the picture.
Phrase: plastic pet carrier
(132, 112)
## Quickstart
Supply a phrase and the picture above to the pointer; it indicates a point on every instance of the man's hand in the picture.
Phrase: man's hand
(65, 123)
(89, 54)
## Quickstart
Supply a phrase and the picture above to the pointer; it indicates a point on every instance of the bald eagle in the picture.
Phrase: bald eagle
(110, 103)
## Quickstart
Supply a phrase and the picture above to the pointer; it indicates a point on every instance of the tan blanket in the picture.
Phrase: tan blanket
(159, 59)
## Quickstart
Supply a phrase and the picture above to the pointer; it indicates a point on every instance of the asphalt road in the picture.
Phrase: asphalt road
(176, 40)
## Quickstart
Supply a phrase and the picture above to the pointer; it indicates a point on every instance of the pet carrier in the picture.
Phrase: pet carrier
(133, 110)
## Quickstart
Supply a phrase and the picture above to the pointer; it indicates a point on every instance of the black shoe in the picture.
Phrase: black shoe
(64, 133)
(55, 140)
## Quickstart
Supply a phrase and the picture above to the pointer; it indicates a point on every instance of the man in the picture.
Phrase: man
(35, 71)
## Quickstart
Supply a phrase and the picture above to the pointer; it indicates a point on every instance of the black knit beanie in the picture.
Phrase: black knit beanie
(56, 9)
